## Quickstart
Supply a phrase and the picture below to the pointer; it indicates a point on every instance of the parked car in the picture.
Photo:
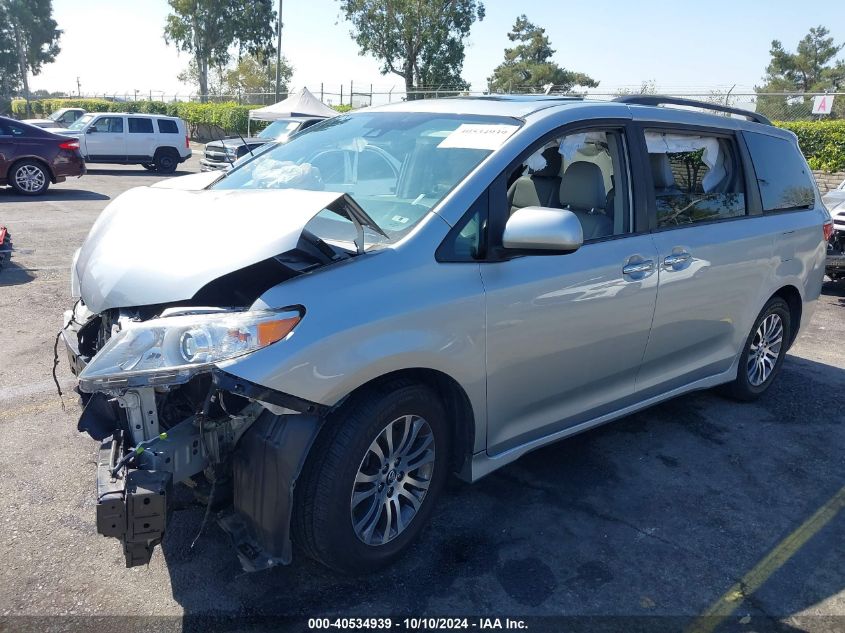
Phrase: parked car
(331, 328)
(220, 155)
(31, 157)
(159, 143)
(835, 202)
(62, 118)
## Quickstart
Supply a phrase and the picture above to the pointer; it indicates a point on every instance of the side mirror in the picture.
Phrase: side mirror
(544, 229)
(90, 130)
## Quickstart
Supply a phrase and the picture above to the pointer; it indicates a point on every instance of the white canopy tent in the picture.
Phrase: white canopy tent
(301, 103)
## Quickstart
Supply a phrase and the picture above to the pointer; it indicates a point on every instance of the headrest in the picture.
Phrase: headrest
(524, 193)
(553, 163)
(582, 186)
(661, 171)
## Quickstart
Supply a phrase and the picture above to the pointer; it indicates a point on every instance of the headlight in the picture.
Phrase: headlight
(173, 349)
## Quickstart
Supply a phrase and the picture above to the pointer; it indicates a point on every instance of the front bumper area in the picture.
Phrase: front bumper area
(835, 260)
(131, 504)
(152, 438)
(209, 165)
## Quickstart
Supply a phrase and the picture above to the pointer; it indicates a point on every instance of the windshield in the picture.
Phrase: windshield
(395, 165)
(278, 128)
(80, 122)
(55, 116)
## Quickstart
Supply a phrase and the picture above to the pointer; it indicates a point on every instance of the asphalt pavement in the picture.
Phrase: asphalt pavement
(697, 506)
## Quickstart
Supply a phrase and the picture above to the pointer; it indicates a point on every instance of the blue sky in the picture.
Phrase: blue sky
(116, 46)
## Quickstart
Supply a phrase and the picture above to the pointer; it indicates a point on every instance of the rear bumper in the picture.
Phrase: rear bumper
(72, 166)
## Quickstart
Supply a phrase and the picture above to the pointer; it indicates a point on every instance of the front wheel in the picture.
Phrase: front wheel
(764, 351)
(372, 478)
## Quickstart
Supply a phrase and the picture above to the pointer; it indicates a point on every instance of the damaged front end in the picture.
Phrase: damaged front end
(153, 377)
(163, 419)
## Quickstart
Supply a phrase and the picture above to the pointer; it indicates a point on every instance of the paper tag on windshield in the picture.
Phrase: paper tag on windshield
(478, 136)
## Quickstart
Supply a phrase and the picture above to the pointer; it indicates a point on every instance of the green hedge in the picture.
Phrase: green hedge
(231, 117)
(822, 142)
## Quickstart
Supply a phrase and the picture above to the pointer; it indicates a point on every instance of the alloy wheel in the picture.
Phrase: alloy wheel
(392, 480)
(765, 349)
(30, 178)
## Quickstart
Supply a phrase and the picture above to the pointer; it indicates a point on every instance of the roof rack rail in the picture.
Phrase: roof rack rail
(655, 100)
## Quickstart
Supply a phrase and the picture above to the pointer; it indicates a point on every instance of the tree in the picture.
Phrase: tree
(420, 41)
(255, 74)
(811, 68)
(529, 65)
(209, 29)
(648, 87)
(28, 39)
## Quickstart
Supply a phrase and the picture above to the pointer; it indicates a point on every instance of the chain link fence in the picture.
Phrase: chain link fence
(778, 106)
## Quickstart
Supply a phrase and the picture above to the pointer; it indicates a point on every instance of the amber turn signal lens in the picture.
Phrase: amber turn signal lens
(272, 331)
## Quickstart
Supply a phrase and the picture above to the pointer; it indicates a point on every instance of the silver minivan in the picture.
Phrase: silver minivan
(317, 338)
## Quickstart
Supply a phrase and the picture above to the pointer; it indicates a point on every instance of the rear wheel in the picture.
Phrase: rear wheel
(372, 478)
(166, 161)
(764, 351)
(29, 178)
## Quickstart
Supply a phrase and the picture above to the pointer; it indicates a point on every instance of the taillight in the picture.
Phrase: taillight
(69, 145)
(187, 143)
(827, 229)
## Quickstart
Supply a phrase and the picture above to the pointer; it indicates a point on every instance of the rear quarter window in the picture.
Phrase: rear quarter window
(784, 180)
(166, 126)
(140, 126)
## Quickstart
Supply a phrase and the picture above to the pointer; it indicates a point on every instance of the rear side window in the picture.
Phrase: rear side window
(140, 126)
(166, 126)
(7, 129)
(781, 173)
(696, 177)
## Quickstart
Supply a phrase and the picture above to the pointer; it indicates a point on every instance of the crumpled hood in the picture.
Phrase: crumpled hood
(163, 244)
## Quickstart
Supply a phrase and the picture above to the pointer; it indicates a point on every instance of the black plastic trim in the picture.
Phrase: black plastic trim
(247, 389)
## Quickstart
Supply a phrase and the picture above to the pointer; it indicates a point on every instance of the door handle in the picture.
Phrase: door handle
(645, 266)
(675, 260)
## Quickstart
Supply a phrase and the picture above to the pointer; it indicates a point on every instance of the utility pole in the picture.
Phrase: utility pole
(279, 54)
(78, 88)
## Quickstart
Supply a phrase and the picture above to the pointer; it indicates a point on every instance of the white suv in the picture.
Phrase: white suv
(159, 143)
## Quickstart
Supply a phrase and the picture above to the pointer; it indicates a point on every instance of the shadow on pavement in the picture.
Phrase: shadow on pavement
(13, 275)
(835, 289)
(8, 194)
(136, 172)
(654, 516)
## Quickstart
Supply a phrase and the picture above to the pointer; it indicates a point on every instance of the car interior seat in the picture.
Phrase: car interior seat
(582, 192)
(541, 187)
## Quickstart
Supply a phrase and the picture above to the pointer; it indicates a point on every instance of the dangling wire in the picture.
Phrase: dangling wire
(55, 365)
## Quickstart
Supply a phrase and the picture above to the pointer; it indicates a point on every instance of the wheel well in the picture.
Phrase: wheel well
(792, 297)
(169, 150)
(34, 159)
(454, 399)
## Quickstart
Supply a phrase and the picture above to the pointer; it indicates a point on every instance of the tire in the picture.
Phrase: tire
(754, 377)
(29, 178)
(324, 506)
(149, 166)
(166, 161)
